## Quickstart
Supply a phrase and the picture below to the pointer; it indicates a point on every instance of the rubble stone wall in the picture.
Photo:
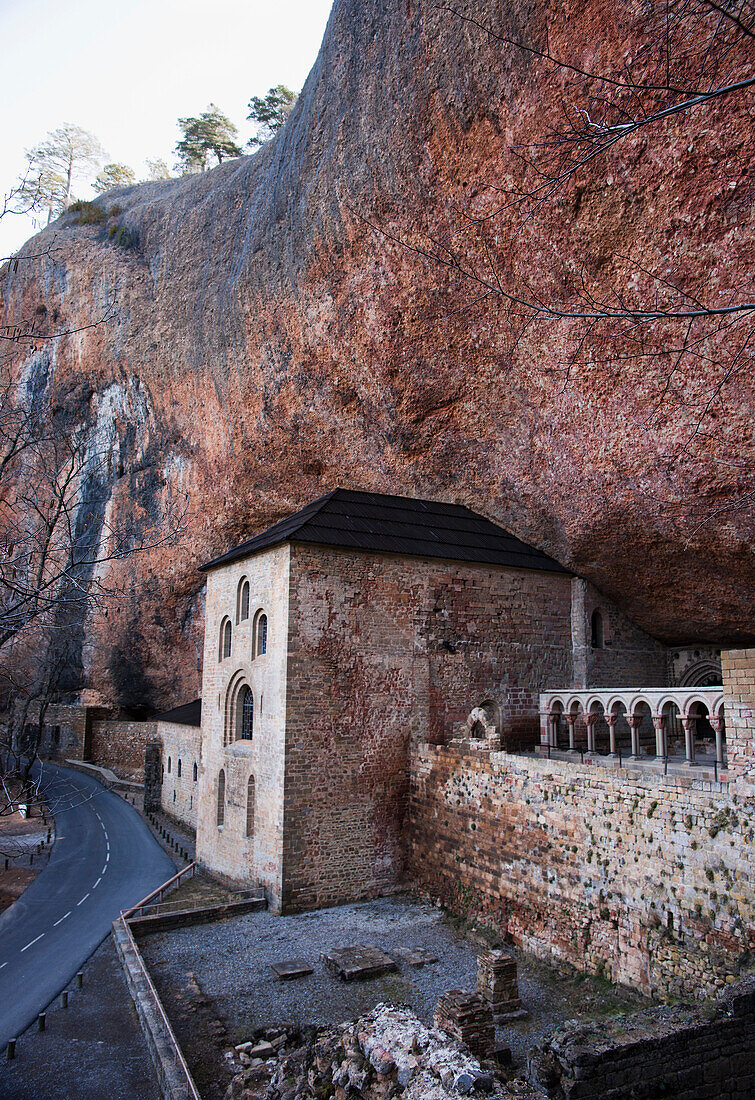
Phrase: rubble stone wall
(689, 1054)
(120, 745)
(644, 879)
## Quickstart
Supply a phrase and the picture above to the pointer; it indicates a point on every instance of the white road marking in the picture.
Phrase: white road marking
(83, 899)
(107, 858)
(2, 965)
(57, 922)
(39, 937)
(97, 883)
(102, 872)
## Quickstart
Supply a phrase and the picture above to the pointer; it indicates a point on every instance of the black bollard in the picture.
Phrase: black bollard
(10, 1050)
(64, 999)
(41, 1021)
(31, 860)
(79, 979)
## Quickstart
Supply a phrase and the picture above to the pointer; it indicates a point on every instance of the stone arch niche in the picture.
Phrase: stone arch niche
(483, 725)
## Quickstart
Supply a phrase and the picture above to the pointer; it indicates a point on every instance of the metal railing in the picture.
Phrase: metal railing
(642, 761)
(160, 892)
(179, 1061)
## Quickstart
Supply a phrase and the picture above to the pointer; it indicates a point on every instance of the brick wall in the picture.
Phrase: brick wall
(382, 650)
(738, 668)
(645, 879)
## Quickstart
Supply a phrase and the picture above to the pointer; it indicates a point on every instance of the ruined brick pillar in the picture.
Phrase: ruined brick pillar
(497, 982)
(738, 668)
(468, 1018)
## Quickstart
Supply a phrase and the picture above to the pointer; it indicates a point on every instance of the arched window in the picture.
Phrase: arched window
(244, 714)
(242, 605)
(221, 798)
(250, 806)
(178, 768)
(260, 634)
(597, 630)
(168, 765)
(226, 634)
(194, 773)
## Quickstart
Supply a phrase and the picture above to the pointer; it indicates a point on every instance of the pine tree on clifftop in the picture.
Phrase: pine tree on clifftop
(211, 133)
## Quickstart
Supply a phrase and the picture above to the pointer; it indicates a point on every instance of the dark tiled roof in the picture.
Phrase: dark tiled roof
(190, 714)
(397, 525)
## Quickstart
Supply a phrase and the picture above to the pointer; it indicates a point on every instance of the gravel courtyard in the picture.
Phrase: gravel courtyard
(225, 968)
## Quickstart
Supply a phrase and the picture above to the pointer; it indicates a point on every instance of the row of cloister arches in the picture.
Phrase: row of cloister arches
(686, 723)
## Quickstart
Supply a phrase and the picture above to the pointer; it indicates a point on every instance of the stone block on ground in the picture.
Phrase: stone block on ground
(417, 956)
(288, 969)
(359, 962)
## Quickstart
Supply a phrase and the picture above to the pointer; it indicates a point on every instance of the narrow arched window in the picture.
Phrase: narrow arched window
(243, 601)
(178, 768)
(250, 806)
(244, 714)
(168, 765)
(194, 773)
(221, 798)
(597, 630)
(226, 635)
(260, 634)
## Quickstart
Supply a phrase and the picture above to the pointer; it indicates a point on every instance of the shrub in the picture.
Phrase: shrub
(86, 213)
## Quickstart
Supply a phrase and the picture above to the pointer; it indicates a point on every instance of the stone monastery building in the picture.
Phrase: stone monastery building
(344, 634)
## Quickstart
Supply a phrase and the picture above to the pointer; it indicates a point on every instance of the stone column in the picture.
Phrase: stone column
(660, 734)
(545, 729)
(718, 728)
(554, 716)
(612, 719)
(571, 720)
(690, 726)
(590, 720)
(635, 721)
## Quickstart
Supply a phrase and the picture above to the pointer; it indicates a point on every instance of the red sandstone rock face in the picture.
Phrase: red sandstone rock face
(269, 344)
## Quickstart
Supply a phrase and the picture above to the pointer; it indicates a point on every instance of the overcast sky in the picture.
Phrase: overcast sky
(127, 71)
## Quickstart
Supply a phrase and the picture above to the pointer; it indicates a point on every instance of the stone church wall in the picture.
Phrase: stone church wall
(227, 848)
(179, 753)
(644, 879)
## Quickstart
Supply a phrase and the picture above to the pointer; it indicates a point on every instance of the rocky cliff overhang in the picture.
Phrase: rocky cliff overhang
(344, 307)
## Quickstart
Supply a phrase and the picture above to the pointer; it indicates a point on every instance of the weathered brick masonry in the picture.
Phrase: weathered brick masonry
(646, 879)
(388, 649)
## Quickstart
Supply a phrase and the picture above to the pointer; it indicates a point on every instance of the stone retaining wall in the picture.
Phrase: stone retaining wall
(644, 879)
(689, 1054)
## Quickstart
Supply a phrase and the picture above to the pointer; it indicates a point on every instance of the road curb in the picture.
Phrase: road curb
(166, 1054)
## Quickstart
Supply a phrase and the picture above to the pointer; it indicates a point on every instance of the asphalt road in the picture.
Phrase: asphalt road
(104, 860)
